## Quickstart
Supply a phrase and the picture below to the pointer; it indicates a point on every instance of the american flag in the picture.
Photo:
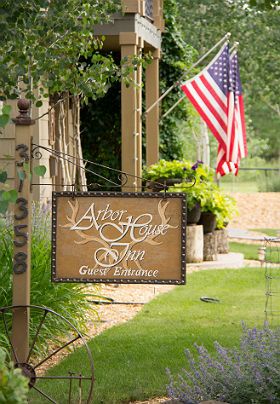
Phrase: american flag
(237, 145)
(228, 160)
(217, 96)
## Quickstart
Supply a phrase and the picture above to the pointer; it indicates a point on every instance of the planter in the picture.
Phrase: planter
(194, 243)
(194, 214)
(208, 220)
(210, 247)
(222, 241)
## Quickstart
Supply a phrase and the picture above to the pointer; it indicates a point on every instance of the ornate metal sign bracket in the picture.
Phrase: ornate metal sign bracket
(122, 177)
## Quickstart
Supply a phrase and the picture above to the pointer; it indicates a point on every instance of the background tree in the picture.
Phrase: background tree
(48, 51)
(44, 44)
(259, 55)
(177, 56)
(264, 4)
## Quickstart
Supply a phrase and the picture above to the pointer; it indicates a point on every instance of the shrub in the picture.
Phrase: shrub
(249, 374)
(66, 299)
(271, 184)
(13, 385)
(204, 191)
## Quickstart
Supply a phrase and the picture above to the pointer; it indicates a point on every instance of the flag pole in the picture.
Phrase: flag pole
(226, 37)
(234, 48)
(173, 107)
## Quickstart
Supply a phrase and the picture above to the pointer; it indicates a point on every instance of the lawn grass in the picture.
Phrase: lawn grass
(250, 251)
(131, 359)
(268, 232)
(238, 186)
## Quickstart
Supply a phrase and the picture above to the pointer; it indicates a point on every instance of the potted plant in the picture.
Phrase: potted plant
(195, 196)
(217, 209)
(167, 172)
(227, 210)
(175, 172)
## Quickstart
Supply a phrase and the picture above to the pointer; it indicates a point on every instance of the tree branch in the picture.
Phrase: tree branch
(54, 105)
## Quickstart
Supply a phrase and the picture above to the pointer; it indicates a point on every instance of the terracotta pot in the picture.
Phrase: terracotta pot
(194, 214)
(208, 220)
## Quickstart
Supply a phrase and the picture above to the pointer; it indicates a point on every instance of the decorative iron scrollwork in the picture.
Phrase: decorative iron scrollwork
(122, 177)
(35, 153)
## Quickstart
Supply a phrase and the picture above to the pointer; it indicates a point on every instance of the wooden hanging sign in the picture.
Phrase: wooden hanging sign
(119, 237)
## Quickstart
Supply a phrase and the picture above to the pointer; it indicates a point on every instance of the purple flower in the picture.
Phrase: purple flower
(247, 374)
(195, 166)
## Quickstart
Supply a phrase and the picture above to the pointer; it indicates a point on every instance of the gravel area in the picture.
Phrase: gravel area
(257, 210)
(128, 301)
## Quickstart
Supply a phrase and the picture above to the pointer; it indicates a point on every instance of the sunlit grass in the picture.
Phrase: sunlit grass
(250, 251)
(238, 186)
(268, 232)
(130, 359)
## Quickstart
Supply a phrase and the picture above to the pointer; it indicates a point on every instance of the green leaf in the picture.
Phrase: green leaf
(4, 119)
(13, 195)
(9, 196)
(6, 196)
(40, 170)
(39, 103)
(3, 206)
(7, 109)
(3, 176)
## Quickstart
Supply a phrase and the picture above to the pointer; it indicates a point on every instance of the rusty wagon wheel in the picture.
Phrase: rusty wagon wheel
(45, 385)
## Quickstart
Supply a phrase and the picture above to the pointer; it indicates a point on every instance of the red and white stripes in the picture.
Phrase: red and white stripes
(213, 93)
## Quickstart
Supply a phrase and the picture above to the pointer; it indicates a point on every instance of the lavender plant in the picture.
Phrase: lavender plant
(250, 374)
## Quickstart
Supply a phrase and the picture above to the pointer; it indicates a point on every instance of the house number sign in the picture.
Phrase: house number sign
(20, 234)
(118, 237)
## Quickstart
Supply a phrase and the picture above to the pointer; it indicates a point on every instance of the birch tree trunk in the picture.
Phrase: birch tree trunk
(70, 165)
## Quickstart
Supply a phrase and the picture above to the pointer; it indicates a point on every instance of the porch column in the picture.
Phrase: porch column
(139, 117)
(152, 118)
(129, 43)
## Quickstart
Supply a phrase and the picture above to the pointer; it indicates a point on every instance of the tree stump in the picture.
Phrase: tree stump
(210, 247)
(222, 241)
(194, 243)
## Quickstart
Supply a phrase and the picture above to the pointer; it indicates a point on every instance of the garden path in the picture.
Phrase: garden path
(257, 210)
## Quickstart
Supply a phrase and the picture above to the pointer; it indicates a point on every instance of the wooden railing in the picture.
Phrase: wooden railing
(149, 8)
